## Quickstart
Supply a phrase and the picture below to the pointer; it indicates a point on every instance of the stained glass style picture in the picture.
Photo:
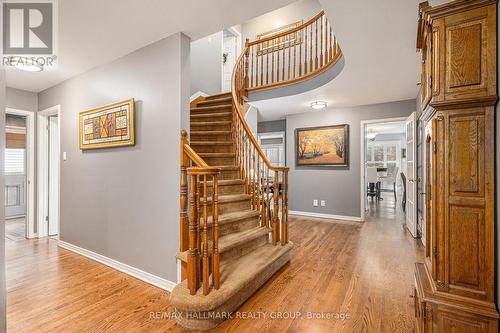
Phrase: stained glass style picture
(108, 126)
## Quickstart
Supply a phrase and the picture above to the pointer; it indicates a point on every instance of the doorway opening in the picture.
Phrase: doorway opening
(48, 171)
(383, 168)
(19, 174)
(231, 48)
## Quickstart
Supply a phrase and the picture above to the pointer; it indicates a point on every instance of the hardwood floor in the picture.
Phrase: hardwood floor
(363, 271)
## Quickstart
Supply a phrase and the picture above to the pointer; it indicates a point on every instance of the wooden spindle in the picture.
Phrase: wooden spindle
(275, 201)
(284, 60)
(278, 63)
(305, 51)
(331, 50)
(295, 55)
(268, 205)
(198, 233)
(316, 46)
(283, 191)
(247, 50)
(272, 62)
(252, 175)
(267, 62)
(311, 59)
(258, 183)
(192, 257)
(261, 65)
(286, 206)
(184, 221)
(289, 57)
(251, 67)
(321, 47)
(300, 52)
(205, 260)
(215, 233)
(262, 190)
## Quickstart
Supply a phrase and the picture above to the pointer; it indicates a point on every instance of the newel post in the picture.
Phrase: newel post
(183, 240)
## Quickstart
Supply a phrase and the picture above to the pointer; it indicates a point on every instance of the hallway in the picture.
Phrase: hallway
(361, 271)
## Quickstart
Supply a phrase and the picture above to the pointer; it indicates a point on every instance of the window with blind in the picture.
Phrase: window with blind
(14, 160)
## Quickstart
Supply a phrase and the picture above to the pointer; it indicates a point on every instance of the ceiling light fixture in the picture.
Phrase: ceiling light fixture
(318, 105)
(371, 134)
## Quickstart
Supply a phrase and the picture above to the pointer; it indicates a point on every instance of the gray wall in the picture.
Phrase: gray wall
(271, 126)
(340, 187)
(123, 203)
(21, 99)
(206, 64)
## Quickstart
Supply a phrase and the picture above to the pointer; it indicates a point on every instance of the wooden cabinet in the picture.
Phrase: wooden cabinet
(454, 287)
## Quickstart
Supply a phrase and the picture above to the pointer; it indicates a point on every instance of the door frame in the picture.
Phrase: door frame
(30, 169)
(43, 169)
(363, 125)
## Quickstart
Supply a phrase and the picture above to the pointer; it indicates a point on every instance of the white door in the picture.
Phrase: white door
(53, 175)
(228, 59)
(411, 175)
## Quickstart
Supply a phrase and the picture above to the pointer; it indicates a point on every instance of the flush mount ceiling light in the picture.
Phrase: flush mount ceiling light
(371, 134)
(25, 64)
(318, 105)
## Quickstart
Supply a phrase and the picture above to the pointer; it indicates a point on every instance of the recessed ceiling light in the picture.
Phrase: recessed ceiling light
(25, 64)
(318, 105)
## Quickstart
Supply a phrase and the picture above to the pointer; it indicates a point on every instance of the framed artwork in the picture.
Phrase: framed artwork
(108, 126)
(322, 146)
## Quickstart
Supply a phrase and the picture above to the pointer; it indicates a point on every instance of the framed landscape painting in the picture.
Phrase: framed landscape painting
(322, 146)
(108, 126)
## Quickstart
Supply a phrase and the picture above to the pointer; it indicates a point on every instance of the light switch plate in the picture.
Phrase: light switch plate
(64, 156)
(315, 203)
(323, 203)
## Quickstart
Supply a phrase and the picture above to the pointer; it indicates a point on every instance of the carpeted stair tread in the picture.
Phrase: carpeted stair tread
(217, 154)
(233, 240)
(234, 276)
(210, 143)
(212, 107)
(210, 132)
(231, 198)
(227, 182)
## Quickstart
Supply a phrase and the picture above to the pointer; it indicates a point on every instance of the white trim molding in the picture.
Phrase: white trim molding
(124, 268)
(326, 216)
(196, 95)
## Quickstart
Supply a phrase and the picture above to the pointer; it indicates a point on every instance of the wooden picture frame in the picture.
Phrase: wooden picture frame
(322, 146)
(108, 126)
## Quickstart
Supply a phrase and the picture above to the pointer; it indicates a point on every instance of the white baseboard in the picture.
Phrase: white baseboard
(132, 271)
(326, 216)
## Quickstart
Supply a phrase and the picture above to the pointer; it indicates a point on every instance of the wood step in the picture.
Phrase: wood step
(212, 146)
(239, 280)
(228, 186)
(211, 109)
(204, 125)
(219, 116)
(230, 203)
(235, 245)
(218, 158)
(210, 135)
(229, 172)
(216, 101)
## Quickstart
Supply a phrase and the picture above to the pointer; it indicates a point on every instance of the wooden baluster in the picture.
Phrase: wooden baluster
(272, 61)
(267, 62)
(252, 68)
(258, 183)
(247, 50)
(247, 185)
(286, 207)
(248, 162)
(278, 62)
(198, 233)
(289, 56)
(215, 232)
(305, 51)
(284, 59)
(300, 51)
(261, 65)
(268, 205)
(294, 55)
(275, 214)
(283, 191)
(192, 258)
(241, 143)
(316, 61)
(331, 39)
(262, 190)
(252, 175)
(311, 59)
(184, 227)
(205, 260)
(321, 48)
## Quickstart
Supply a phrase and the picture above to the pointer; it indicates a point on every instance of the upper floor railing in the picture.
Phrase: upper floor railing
(290, 56)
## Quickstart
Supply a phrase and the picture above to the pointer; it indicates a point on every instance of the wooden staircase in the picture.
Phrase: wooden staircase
(246, 253)
(236, 234)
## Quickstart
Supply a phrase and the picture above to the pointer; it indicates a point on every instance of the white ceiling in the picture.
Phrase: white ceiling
(381, 64)
(95, 32)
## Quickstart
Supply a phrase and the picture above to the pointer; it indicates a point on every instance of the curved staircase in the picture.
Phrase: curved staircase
(233, 201)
